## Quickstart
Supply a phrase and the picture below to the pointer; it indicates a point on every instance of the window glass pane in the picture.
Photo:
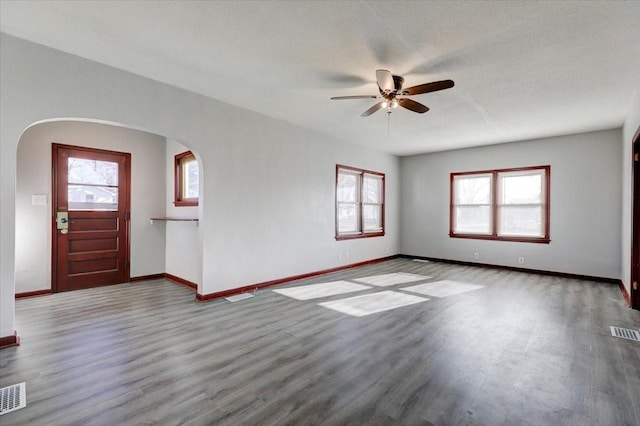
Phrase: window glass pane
(347, 218)
(472, 220)
(521, 189)
(191, 181)
(372, 217)
(347, 187)
(521, 221)
(81, 170)
(371, 192)
(92, 197)
(472, 189)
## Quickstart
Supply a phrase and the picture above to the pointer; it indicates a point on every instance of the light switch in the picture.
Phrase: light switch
(38, 200)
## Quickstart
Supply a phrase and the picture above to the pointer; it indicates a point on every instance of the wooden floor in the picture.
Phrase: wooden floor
(525, 350)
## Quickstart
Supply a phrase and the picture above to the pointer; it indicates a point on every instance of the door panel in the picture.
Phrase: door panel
(91, 202)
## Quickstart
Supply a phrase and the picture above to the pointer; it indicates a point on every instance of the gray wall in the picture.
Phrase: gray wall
(267, 203)
(183, 254)
(33, 222)
(585, 204)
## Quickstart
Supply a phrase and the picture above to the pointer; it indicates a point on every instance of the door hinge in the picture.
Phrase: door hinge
(127, 215)
(127, 264)
(635, 157)
(635, 285)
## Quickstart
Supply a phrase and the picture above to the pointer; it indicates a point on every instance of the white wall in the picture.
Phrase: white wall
(585, 204)
(267, 203)
(182, 253)
(630, 127)
(33, 223)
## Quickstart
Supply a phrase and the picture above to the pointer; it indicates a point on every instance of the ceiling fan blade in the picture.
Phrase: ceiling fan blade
(385, 81)
(428, 87)
(372, 109)
(354, 97)
(413, 105)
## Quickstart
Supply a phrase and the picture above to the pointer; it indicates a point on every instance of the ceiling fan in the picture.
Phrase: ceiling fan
(390, 87)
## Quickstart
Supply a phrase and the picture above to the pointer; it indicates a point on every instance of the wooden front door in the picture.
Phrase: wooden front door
(635, 250)
(91, 201)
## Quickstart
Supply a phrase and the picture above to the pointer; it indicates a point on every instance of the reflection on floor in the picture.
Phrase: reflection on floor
(315, 291)
(442, 288)
(380, 301)
(367, 304)
(391, 279)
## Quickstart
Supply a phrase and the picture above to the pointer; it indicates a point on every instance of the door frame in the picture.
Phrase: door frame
(635, 221)
(54, 197)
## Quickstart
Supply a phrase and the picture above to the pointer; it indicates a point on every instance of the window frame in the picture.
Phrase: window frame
(179, 199)
(360, 232)
(494, 208)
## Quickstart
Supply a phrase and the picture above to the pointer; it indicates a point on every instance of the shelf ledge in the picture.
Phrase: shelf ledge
(173, 219)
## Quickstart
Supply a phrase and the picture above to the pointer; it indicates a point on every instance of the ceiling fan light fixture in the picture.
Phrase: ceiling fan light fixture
(390, 86)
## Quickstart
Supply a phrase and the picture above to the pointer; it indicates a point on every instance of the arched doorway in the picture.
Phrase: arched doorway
(34, 204)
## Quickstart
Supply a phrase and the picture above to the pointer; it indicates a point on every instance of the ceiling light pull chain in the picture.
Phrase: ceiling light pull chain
(388, 124)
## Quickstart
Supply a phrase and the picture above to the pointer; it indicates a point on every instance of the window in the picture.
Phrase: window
(509, 204)
(186, 180)
(359, 203)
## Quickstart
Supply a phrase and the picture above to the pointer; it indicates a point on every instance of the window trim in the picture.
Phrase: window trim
(545, 239)
(360, 233)
(179, 200)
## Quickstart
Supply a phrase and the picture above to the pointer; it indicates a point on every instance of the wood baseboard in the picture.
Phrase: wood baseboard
(9, 341)
(147, 277)
(181, 281)
(514, 268)
(253, 287)
(625, 294)
(35, 293)
(165, 276)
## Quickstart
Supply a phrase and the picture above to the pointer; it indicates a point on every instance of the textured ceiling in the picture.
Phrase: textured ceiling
(522, 69)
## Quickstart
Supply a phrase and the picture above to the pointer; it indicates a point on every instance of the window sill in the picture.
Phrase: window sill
(537, 240)
(360, 235)
(185, 203)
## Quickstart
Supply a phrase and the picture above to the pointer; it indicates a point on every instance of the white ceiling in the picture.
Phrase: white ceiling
(522, 69)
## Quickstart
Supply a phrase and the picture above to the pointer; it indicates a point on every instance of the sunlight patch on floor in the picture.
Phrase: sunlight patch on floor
(391, 279)
(315, 291)
(368, 304)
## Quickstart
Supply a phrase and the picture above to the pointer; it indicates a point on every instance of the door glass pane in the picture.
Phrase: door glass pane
(84, 171)
(92, 197)
(92, 184)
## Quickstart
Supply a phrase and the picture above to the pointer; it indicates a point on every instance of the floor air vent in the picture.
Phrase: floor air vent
(625, 333)
(13, 398)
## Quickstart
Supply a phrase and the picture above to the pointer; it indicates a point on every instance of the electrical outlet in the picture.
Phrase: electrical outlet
(476, 256)
(346, 256)
(339, 257)
(521, 260)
